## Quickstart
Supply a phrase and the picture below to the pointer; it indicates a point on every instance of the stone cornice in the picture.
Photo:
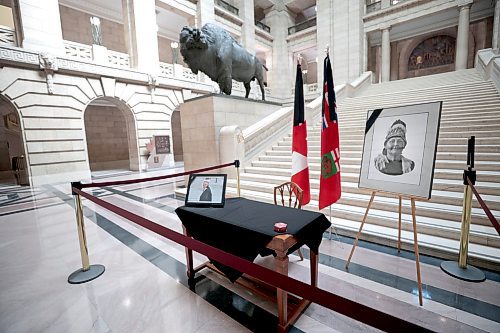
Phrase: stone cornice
(18, 57)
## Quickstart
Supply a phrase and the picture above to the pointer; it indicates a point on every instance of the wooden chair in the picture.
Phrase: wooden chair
(289, 194)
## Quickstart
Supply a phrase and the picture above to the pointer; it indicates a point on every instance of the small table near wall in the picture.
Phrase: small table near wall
(245, 228)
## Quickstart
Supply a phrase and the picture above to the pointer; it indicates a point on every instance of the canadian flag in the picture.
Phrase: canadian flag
(300, 168)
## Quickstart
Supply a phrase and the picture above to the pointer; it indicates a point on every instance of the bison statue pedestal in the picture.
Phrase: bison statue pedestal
(205, 122)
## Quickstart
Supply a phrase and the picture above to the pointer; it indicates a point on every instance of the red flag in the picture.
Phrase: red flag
(300, 169)
(329, 181)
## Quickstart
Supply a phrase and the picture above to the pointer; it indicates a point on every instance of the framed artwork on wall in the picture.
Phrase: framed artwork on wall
(206, 190)
(399, 150)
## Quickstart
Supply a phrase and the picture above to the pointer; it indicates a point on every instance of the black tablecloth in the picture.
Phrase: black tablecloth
(244, 227)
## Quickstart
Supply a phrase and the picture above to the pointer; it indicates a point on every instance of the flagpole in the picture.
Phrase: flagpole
(332, 227)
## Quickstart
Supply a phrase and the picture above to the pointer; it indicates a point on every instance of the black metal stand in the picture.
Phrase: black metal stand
(461, 269)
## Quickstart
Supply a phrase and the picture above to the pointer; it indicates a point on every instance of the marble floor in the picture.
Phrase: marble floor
(144, 287)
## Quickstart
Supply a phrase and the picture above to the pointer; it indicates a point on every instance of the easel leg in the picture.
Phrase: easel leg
(313, 260)
(189, 258)
(399, 224)
(360, 228)
(415, 243)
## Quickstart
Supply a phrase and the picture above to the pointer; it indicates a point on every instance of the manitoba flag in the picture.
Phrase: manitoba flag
(329, 181)
(300, 169)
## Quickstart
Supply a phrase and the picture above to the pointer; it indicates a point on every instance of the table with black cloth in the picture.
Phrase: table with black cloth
(245, 228)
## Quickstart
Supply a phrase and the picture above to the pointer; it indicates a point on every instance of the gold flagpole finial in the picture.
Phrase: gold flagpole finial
(299, 59)
(327, 49)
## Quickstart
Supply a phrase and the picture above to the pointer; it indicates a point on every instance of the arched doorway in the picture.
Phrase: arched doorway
(111, 136)
(13, 166)
(177, 135)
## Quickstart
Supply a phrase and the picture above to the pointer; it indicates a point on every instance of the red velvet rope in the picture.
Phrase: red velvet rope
(357, 311)
(493, 220)
(133, 181)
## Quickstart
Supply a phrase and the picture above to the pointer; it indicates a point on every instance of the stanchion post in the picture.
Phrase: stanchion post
(237, 165)
(462, 270)
(87, 272)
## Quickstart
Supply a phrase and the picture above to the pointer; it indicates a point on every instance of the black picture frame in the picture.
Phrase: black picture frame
(196, 195)
(420, 125)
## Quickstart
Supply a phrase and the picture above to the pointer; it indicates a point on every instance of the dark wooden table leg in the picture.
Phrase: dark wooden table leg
(189, 258)
(314, 268)
(281, 265)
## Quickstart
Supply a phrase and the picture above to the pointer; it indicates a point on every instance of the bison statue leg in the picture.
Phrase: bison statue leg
(247, 88)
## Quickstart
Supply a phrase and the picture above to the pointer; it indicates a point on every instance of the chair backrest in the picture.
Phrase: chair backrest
(289, 194)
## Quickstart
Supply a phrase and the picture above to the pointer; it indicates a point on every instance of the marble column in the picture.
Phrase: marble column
(386, 55)
(41, 26)
(141, 34)
(280, 75)
(205, 12)
(324, 34)
(462, 47)
(246, 8)
(496, 27)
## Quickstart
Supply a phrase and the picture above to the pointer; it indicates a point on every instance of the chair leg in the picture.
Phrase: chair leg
(300, 255)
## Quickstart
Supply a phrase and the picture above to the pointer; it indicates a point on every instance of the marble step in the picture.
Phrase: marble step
(445, 247)
(429, 209)
(438, 196)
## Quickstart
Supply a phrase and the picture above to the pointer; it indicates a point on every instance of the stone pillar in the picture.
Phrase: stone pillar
(41, 26)
(280, 74)
(386, 55)
(205, 12)
(324, 34)
(463, 34)
(495, 43)
(246, 8)
(141, 34)
(340, 26)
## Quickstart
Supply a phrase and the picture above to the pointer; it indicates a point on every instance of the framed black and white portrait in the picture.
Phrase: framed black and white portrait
(399, 150)
(206, 190)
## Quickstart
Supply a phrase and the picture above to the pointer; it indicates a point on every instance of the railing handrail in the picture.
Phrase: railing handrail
(302, 25)
(263, 26)
(228, 7)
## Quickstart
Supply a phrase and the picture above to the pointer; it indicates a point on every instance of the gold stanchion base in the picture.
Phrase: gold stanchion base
(470, 273)
(81, 276)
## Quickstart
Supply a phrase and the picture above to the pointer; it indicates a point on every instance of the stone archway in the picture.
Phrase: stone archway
(13, 164)
(111, 136)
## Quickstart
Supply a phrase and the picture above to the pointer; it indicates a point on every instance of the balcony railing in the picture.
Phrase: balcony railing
(118, 59)
(302, 26)
(230, 8)
(372, 5)
(264, 27)
(7, 36)
(77, 50)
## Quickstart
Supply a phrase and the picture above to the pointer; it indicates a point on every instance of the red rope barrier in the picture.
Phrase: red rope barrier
(493, 220)
(357, 311)
(133, 181)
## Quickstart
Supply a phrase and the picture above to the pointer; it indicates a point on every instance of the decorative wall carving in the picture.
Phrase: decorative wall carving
(432, 52)
(48, 63)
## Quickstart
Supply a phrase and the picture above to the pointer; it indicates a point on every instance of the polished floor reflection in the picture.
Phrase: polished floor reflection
(144, 287)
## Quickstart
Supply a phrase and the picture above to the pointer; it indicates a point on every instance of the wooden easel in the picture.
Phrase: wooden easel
(415, 242)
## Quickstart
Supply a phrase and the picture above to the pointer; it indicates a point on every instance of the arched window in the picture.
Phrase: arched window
(432, 52)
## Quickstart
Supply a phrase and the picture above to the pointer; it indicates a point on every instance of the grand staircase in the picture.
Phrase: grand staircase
(471, 106)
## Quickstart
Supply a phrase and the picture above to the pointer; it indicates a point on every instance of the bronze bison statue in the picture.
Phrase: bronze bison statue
(214, 51)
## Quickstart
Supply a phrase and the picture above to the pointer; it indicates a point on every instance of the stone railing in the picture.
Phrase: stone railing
(372, 6)
(488, 65)
(263, 26)
(166, 69)
(78, 50)
(118, 59)
(308, 89)
(230, 8)
(7, 36)
(302, 26)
